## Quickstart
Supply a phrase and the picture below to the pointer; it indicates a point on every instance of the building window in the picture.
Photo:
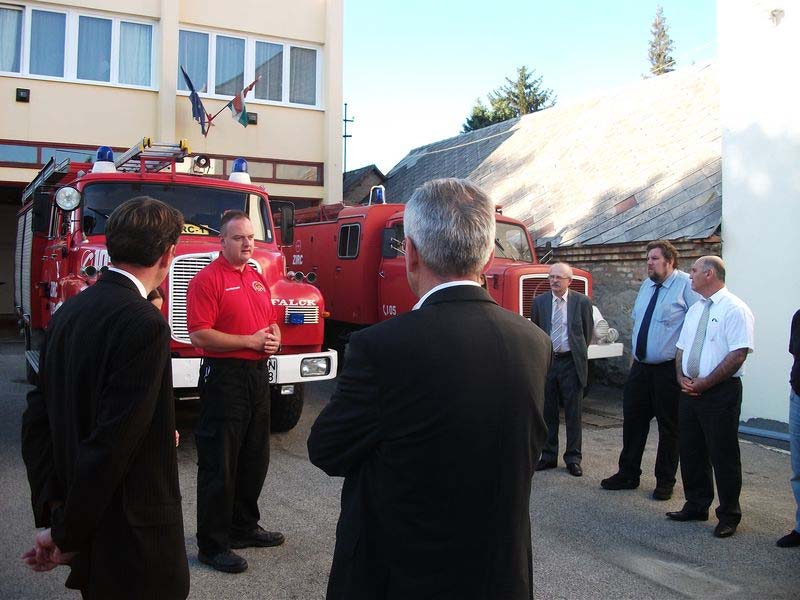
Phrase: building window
(230, 66)
(303, 76)
(269, 69)
(10, 39)
(348, 240)
(94, 49)
(193, 57)
(135, 52)
(76, 47)
(48, 34)
(17, 153)
(286, 74)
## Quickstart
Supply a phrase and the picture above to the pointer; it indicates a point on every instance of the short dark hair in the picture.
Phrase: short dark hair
(668, 251)
(141, 230)
(231, 215)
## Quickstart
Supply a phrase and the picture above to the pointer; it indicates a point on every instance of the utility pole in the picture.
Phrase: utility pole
(346, 135)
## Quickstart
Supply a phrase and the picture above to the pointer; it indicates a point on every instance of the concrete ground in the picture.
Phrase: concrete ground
(587, 542)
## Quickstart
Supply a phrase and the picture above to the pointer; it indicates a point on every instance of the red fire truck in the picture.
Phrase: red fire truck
(61, 250)
(354, 255)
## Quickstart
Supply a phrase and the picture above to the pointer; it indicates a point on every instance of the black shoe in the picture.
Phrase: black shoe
(619, 482)
(227, 562)
(689, 515)
(662, 492)
(723, 530)
(545, 464)
(258, 538)
(790, 540)
(575, 469)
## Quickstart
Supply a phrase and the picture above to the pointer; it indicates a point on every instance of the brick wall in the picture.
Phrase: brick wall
(617, 272)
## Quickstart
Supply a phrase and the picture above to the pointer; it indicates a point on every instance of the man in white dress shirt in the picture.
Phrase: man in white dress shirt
(716, 338)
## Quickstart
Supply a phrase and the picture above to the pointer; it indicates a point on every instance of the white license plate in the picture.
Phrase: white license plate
(272, 369)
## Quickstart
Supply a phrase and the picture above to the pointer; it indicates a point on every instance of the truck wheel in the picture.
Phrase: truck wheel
(285, 409)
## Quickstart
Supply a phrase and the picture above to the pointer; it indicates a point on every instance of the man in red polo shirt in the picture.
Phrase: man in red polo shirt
(232, 320)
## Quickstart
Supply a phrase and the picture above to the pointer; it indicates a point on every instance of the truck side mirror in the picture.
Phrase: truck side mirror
(287, 224)
(41, 212)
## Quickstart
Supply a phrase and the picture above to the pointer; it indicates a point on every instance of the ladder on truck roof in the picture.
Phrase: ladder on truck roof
(49, 174)
(148, 157)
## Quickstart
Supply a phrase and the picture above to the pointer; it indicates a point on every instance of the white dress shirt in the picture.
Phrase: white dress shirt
(442, 286)
(561, 345)
(730, 327)
(133, 278)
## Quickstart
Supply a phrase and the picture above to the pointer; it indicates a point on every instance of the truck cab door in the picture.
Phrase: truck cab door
(394, 295)
(54, 261)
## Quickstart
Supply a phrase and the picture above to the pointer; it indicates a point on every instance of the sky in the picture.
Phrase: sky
(413, 69)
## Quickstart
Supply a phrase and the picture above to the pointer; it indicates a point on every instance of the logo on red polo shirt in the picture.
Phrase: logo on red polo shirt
(259, 287)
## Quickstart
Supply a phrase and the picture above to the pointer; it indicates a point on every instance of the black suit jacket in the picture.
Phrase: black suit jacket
(579, 332)
(436, 424)
(98, 437)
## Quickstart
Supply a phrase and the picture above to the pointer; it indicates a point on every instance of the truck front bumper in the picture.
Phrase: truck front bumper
(605, 350)
(284, 368)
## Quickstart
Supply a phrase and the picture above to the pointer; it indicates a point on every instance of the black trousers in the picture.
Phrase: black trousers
(232, 449)
(563, 386)
(651, 391)
(710, 440)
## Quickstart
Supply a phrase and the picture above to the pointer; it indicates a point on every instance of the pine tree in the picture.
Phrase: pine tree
(660, 52)
(517, 97)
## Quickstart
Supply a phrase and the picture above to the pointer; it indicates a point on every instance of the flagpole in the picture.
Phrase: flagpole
(210, 118)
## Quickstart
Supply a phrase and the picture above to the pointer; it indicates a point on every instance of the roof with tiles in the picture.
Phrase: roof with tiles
(635, 163)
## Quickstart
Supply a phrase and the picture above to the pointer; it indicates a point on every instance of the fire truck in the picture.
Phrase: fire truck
(354, 255)
(61, 250)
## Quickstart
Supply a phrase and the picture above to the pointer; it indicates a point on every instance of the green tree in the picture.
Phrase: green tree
(660, 51)
(515, 98)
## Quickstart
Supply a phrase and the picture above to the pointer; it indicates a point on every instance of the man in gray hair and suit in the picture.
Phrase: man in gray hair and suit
(566, 316)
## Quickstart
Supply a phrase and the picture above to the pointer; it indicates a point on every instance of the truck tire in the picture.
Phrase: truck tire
(285, 410)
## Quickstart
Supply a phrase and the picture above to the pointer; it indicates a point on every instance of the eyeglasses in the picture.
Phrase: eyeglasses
(557, 277)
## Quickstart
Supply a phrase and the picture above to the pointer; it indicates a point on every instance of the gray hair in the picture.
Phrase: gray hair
(714, 263)
(451, 222)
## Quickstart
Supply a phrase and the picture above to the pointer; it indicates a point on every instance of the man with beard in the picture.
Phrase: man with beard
(652, 390)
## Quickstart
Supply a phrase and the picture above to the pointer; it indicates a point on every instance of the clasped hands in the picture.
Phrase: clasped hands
(45, 555)
(692, 387)
(267, 340)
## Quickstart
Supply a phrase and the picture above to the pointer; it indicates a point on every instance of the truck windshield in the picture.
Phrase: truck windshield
(202, 207)
(512, 242)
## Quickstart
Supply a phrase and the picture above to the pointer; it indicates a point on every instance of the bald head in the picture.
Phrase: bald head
(708, 275)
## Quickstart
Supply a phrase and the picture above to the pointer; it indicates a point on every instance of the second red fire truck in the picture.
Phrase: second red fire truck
(353, 255)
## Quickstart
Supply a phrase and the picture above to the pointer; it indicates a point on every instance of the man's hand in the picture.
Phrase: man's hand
(273, 339)
(266, 340)
(692, 387)
(45, 555)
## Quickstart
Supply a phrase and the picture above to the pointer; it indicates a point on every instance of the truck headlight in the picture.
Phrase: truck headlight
(314, 367)
(605, 334)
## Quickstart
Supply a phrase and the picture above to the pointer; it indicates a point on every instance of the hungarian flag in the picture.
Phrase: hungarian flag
(237, 105)
(198, 110)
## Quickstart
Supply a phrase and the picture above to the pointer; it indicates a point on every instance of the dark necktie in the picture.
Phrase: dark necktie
(644, 329)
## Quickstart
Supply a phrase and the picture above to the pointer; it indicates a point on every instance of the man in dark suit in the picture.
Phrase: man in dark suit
(566, 316)
(98, 436)
(436, 424)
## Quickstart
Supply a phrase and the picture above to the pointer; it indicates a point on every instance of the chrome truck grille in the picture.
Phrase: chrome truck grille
(180, 274)
(533, 285)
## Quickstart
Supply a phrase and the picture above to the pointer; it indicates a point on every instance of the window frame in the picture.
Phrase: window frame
(350, 227)
(71, 34)
(250, 68)
(21, 47)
